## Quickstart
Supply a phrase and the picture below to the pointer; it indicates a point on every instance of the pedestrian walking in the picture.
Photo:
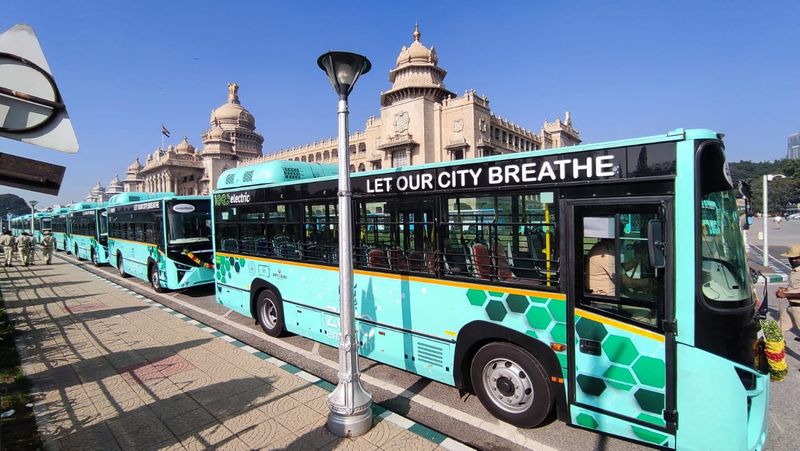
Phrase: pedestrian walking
(48, 243)
(792, 290)
(24, 245)
(7, 241)
(778, 221)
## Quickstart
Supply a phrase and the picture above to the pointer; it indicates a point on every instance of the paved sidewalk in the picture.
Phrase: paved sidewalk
(116, 371)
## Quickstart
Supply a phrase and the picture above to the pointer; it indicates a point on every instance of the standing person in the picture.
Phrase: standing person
(48, 243)
(24, 245)
(792, 290)
(7, 241)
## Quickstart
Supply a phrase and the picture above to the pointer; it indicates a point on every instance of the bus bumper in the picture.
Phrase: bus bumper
(721, 405)
(193, 277)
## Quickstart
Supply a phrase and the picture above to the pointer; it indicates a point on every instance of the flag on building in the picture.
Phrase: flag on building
(164, 131)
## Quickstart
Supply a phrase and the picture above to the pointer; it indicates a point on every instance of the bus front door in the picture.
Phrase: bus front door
(620, 365)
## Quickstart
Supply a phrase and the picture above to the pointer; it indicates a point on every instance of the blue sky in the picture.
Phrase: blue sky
(622, 68)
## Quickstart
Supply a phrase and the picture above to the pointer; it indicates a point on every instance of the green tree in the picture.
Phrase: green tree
(11, 203)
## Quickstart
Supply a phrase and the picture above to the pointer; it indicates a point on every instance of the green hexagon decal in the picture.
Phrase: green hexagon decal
(517, 303)
(590, 330)
(558, 310)
(477, 297)
(619, 377)
(649, 436)
(652, 419)
(650, 401)
(586, 420)
(559, 333)
(650, 371)
(538, 317)
(620, 349)
(496, 310)
(591, 385)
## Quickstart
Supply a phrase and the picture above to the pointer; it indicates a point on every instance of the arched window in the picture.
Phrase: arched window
(326, 156)
(361, 167)
(318, 157)
(352, 168)
(335, 153)
(362, 147)
(311, 158)
(303, 158)
(352, 148)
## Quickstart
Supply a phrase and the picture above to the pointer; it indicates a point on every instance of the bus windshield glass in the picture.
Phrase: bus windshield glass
(724, 276)
(189, 221)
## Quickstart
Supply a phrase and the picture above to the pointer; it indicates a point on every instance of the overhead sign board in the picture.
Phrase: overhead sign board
(31, 107)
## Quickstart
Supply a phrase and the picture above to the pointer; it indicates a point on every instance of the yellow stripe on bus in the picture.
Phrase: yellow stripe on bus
(467, 285)
(619, 324)
(134, 242)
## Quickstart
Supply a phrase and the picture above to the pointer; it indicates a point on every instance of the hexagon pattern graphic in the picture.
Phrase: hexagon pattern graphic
(629, 378)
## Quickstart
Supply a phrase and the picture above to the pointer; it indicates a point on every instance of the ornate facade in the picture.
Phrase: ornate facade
(184, 170)
(422, 122)
(100, 194)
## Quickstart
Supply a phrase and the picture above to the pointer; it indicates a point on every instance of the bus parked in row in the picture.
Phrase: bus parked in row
(58, 224)
(88, 232)
(41, 223)
(161, 238)
(577, 280)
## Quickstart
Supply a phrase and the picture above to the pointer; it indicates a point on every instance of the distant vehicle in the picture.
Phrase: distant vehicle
(794, 216)
(88, 232)
(58, 221)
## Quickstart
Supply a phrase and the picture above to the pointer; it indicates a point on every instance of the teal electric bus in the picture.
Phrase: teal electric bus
(21, 224)
(161, 238)
(592, 290)
(42, 221)
(58, 226)
(87, 223)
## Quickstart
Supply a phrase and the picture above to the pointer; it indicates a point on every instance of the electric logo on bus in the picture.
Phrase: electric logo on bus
(572, 169)
(221, 200)
(146, 206)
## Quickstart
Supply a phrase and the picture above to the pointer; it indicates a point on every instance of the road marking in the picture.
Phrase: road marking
(308, 376)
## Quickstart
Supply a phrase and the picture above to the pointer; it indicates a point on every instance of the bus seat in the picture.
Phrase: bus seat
(416, 261)
(501, 262)
(230, 245)
(456, 261)
(432, 260)
(261, 246)
(376, 259)
(397, 260)
(483, 261)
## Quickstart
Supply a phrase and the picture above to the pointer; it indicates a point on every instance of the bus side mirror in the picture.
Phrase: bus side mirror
(655, 243)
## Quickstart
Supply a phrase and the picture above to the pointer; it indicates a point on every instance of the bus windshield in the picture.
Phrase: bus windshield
(724, 276)
(189, 221)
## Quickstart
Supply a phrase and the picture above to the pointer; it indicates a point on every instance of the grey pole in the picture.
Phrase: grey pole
(350, 405)
(765, 222)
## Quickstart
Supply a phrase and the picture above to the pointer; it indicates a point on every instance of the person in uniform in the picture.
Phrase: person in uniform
(48, 243)
(792, 290)
(7, 241)
(24, 245)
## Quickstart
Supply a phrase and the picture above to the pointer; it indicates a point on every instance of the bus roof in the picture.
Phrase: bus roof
(271, 172)
(137, 196)
(85, 206)
(59, 211)
(239, 178)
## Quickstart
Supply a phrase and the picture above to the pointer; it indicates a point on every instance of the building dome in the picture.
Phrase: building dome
(216, 133)
(417, 53)
(135, 166)
(184, 146)
(98, 189)
(232, 112)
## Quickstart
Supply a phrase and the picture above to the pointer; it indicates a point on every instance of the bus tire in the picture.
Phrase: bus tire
(269, 313)
(93, 257)
(120, 266)
(77, 255)
(511, 384)
(155, 282)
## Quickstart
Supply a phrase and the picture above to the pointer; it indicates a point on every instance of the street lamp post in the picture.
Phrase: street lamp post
(33, 212)
(765, 216)
(350, 405)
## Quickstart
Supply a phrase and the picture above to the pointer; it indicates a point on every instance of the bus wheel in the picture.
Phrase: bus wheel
(155, 282)
(511, 384)
(93, 256)
(270, 313)
(120, 268)
(76, 252)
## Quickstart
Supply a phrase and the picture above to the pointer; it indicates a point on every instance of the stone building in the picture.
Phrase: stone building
(100, 194)
(421, 121)
(184, 170)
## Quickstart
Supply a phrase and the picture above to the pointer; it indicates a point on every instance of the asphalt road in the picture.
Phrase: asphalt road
(442, 407)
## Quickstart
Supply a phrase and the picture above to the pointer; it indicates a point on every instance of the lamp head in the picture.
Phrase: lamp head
(33, 203)
(343, 70)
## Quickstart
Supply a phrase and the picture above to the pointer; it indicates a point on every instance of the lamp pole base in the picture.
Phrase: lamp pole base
(350, 425)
